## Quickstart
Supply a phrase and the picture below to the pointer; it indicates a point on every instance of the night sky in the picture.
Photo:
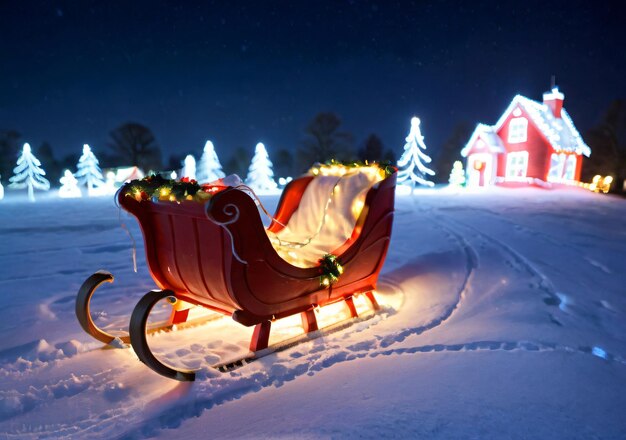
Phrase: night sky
(70, 72)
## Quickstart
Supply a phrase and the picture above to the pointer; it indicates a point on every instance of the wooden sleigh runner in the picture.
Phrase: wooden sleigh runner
(219, 255)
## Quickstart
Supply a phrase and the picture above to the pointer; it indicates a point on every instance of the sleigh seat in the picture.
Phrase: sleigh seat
(325, 217)
(219, 255)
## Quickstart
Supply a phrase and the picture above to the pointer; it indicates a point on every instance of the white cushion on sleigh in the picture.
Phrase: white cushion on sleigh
(324, 219)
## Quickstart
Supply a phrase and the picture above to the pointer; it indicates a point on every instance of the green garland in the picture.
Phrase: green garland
(331, 270)
(157, 188)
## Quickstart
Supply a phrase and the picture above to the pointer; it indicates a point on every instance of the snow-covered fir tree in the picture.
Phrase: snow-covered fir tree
(109, 184)
(1, 191)
(29, 174)
(189, 167)
(411, 168)
(69, 186)
(457, 175)
(260, 175)
(209, 168)
(89, 172)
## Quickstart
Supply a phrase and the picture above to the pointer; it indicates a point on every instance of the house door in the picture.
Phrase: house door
(480, 169)
(569, 172)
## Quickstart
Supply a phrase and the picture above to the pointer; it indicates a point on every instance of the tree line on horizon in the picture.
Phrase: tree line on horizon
(135, 144)
(324, 139)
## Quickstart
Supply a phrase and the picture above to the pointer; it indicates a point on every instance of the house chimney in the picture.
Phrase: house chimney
(554, 100)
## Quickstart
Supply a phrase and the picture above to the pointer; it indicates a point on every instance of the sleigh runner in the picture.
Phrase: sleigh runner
(326, 243)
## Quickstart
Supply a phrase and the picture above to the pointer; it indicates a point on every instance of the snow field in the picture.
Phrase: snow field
(505, 320)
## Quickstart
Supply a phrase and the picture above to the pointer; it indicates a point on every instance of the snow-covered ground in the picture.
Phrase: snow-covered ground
(505, 318)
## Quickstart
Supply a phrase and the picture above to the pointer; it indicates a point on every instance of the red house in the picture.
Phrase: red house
(532, 143)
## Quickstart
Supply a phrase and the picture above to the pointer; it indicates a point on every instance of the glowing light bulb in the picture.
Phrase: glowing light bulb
(357, 207)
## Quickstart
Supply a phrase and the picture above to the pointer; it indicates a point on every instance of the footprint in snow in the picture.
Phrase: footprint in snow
(552, 301)
(197, 348)
(554, 320)
(114, 392)
(211, 359)
(192, 363)
(607, 305)
(362, 346)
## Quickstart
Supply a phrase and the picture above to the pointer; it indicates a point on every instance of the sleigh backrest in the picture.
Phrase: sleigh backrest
(325, 217)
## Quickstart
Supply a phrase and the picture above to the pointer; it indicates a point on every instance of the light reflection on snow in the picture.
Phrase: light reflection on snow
(564, 301)
(597, 351)
(223, 339)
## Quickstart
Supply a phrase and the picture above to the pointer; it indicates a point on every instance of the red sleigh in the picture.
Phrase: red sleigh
(219, 255)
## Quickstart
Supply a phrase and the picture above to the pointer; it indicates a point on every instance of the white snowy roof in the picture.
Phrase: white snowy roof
(560, 132)
(489, 135)
(553, 94)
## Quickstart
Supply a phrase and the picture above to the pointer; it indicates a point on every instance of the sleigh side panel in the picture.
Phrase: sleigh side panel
(183, 252)
(277, 288)
(159, 248)
(213, 264)
(198, 255)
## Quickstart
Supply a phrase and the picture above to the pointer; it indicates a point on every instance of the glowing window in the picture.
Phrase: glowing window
(516, 165)
(557, 161)
(570, 167)
(518, 129)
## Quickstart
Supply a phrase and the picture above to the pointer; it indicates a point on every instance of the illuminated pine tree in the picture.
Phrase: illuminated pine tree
(29, 174)
(209, 168)
(457, 175)
(69, 186)
(89, 172)
(260, 175)
(189, 167)
(411, 168)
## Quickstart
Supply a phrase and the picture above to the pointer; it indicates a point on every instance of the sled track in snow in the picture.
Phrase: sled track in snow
(471, 264)
(504, 346)
(279, 374)
(544, 283)
(17, 403)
